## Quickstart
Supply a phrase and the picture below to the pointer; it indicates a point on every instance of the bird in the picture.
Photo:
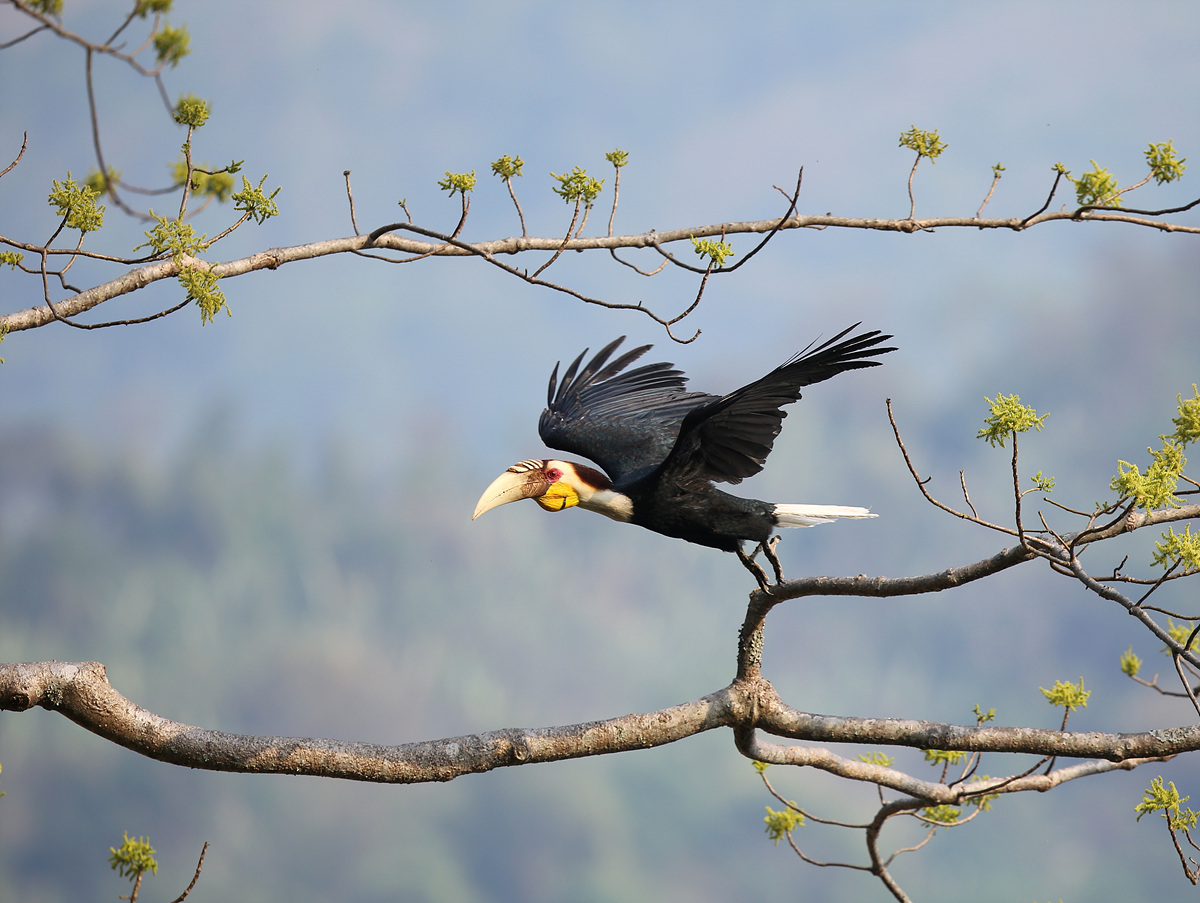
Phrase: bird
(659, 448)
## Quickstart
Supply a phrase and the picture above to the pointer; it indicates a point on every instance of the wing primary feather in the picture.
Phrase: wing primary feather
(553, 385)
(621, 363)
(728, 439)
(585, 375)
(568, 377)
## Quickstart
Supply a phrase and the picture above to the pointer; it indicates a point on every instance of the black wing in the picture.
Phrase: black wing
(728, 439)
(625, 422)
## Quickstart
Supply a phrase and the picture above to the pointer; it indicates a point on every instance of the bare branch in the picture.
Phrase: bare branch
(82, 693)
(350, 197)
(1053, 188)
(991, 190)
(18, 40)
(196, 877)
(35, 317)
(20, 154)
(781, 720)
(972, 517)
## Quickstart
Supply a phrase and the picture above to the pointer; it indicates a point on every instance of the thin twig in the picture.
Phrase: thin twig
(912, 202)
(616, 197)
(613, 253)
(1017, 491)
(20, 154)
(196, 877)
(350, 197)
(520, 213)
(566, 238)
(28, 34)
(1049, 198)
(962, 479)
(991, 188)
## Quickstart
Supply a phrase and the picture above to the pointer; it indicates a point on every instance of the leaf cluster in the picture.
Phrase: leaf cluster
(782, 823)
(1187, 424)
(1183, 635)
(1165, 165)
(1168, 802)
(1009, 417)
(577, 186)
(143, 8)
(1097, 188)
(252, 201)
(102, 182)
(192, 111)
(1178, 548)
(133, 857)
(716, 251)
(1067, 695)
(926, 144)
(77, 204)
(172, 44)
(1156, 487)
(1131, 662)
(507, 167)
(174, 237)
(1043, 484)
(617, 158)
(179, 239)
(458, 182)
(201, 284)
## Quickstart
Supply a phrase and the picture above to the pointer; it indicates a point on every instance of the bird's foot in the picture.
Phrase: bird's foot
(768, 548)
(754, 568)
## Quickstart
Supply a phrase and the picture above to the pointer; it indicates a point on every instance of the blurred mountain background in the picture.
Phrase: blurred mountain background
(263, 525)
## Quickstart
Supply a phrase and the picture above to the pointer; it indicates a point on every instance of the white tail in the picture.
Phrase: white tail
(812, 515)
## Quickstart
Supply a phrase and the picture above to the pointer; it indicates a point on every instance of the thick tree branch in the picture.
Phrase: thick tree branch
(784, 721)
(81, 692)
(882, 587)
(40, 316)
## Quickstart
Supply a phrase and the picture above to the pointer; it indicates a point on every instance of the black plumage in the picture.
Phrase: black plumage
(663, 447)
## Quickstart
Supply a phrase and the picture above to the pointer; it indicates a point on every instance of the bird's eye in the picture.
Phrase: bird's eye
(553, 474)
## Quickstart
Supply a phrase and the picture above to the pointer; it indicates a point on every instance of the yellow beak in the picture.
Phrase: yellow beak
(512, 487)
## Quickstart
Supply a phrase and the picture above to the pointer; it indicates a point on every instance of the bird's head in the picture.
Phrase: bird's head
(554, 485)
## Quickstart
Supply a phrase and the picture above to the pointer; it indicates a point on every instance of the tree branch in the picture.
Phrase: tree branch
(40, 316)
(81, 692)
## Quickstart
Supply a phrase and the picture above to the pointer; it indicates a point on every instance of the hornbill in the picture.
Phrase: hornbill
(662, 447)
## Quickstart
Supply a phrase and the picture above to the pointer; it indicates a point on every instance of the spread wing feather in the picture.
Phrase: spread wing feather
(625, 422)
(728, 439)
(631, 422)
